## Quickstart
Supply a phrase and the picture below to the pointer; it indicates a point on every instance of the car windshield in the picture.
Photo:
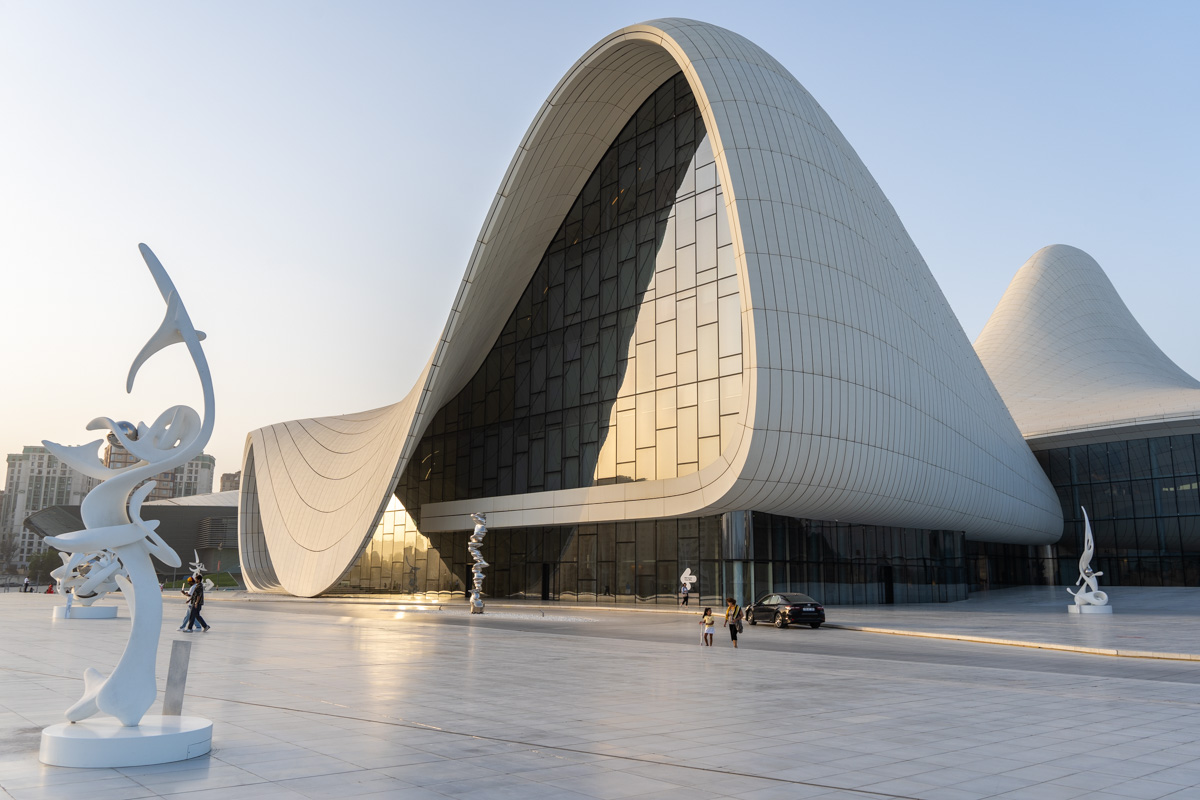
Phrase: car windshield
(797, 598)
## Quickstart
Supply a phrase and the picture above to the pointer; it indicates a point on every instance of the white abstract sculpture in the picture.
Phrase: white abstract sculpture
(85, 578)
(112, 520)
(198, 570)
(1089, 599)
(473, 546)
(687, 578)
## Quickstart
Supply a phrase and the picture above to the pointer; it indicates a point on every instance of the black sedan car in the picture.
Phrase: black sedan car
(786, 609)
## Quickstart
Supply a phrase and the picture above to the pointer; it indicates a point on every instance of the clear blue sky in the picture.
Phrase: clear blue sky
(313, 175)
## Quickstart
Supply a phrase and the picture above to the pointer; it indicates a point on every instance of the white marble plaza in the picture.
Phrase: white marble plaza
(319, 699)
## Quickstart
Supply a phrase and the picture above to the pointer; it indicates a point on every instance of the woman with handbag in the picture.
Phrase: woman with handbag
(733, 619)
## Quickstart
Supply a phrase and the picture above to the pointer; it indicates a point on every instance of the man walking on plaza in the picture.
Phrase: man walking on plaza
(195, 603)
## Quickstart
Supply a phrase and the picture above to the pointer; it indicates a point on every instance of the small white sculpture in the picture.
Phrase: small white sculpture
(1089, 599)
(88, 576)
(473, 545)
(198, 570)
(687, 578)
(113, 525)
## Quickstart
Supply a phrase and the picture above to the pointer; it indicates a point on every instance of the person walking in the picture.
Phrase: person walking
(733, 619)
(187, 607)
(25, 586)
(196, 602)
(683, 590)
(707, 622)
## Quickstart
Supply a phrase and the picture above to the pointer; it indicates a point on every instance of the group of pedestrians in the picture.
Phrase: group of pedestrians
(194, 589)
(733, 621)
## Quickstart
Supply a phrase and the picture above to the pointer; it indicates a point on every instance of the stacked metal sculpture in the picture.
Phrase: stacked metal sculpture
(1089, 599)
(113, 525)
(473, 545)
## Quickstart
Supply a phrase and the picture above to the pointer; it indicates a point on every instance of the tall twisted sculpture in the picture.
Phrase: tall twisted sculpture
(473, 545)
(1089, 599)
(112, 522)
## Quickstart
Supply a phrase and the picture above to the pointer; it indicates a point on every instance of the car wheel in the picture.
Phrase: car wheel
(780, 622)
(750, 618)
(814, 625)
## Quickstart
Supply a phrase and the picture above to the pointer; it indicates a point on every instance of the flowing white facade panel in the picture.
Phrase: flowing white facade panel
(861, 396)
(1072, 363)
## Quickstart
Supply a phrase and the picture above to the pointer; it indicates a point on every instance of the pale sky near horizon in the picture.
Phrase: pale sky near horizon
(314, 175)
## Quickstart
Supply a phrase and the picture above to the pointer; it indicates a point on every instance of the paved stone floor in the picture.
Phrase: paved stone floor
(1152, 620)
(371, 699)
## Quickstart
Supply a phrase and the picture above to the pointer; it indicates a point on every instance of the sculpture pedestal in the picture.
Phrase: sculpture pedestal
(105, 742)
(1074, 609)
(86, 612)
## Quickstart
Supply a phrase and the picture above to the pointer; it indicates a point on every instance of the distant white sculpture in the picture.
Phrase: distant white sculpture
(113, 523)
(1089, 599)
(198, 569)
(473, 545)
(84, 578)
(687, 578)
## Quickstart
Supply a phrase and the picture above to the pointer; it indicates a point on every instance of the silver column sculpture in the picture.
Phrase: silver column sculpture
(473, 545)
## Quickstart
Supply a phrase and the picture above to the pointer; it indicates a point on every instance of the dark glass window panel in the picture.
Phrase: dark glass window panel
(1118, 461)
(645, 116)
(1160, 457)
(1189, 534)
(1079, 465)
(1138, 452)
(1143, 499)
(1165, 492)
(1183, 457)
(1083, 502)
(1122, 499)
(1060, 466)
(1098, 463)
(1169, 528)
(1187, 498)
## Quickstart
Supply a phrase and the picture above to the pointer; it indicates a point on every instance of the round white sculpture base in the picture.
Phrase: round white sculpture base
(105, 742)
(86, 612)
(1073, 609)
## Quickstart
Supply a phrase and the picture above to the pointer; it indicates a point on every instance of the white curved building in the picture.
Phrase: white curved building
(1072, 363)
(1113, 421)
(692, 333)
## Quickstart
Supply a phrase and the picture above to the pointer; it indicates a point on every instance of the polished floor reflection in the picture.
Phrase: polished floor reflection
(322, 699)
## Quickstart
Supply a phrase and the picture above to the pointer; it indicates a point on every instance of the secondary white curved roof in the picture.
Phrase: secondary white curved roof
(1069, 358)
(862, 398)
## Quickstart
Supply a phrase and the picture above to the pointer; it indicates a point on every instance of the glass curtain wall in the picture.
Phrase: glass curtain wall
(1143, 499)
(622, 360)
(739, 555)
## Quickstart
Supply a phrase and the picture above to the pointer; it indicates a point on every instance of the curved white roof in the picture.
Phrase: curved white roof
(862, 398)
(1070, 360)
